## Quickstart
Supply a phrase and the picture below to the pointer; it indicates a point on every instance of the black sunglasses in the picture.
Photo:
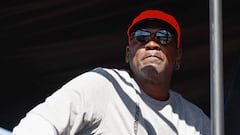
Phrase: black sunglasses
(162, 37)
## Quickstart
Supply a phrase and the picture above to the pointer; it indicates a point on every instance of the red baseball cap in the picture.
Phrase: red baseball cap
(158, 15)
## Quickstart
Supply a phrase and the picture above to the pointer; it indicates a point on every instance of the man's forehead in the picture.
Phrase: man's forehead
(154, 23)
(150, 23)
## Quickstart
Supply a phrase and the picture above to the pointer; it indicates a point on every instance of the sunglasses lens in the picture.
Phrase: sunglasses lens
(142, 36)
(164, 37)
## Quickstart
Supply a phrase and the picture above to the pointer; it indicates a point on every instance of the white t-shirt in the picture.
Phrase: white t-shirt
(109, 102)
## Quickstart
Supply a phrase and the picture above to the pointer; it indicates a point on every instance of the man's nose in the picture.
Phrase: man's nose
(152, 45)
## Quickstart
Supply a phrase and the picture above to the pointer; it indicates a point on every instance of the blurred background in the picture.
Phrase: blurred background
(44, 44)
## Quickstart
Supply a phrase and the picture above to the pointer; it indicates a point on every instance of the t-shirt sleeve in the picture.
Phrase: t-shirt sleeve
(72, 108)
(25, 126)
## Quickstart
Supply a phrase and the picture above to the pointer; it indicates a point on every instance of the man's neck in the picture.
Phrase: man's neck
(158, 91)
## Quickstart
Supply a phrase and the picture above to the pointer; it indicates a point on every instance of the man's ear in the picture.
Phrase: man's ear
(179, 56)
(127, 54)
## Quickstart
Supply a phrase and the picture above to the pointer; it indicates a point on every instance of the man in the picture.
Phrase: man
(116, 102)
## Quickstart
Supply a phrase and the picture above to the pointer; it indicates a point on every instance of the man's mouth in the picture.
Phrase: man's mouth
(152, 56)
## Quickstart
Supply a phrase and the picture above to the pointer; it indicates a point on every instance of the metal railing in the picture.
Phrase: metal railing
(217, 100)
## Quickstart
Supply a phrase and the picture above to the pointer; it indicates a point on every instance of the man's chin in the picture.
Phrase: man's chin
(151, 70)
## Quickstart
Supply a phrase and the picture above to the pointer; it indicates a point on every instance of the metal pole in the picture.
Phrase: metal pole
(217, 113)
